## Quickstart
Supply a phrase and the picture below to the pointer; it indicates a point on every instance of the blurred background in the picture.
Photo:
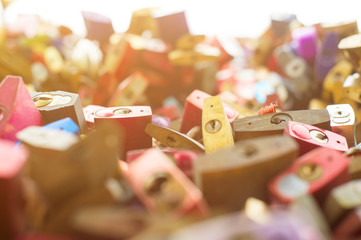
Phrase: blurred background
(227, 17)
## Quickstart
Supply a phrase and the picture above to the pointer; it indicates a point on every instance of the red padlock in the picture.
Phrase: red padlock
(130, 90)
(133, 120)
(17, 109)
(162, 187)
(310, 137)
(315, 173)
(12, 212)
(104, 88)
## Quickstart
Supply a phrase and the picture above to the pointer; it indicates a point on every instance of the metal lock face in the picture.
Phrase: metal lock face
(165, 191)
(47, 100)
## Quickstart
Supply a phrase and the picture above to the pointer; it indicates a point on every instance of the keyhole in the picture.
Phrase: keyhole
(172, 140)
(42, 100)
(281, 118)
(310, 172)
(213, 126)
(122, 111)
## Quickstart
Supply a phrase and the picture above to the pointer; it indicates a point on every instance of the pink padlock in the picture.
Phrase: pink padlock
(162, 187)
(310, 137)
(17, 109)
(12, 208)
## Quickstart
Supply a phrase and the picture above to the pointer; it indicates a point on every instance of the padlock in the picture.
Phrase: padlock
(355, 165)
(216, 130)
(310, 137)
(263, 47)
(326, 57)
(342, 29)
(307, 208)
(253, 162)
(129, 91)
(275, 123)
(228, 47)
(133, 120)
(104, 88)
(201, 53)
(59, 220)
(305, 39)
(108, 222)
(192, 115)
(76, 166)
(57, 105)
(349, 228)
(342, 201)
(17, 111)
(162, 187)
(184, 159)
(142, 21)
(188, 41)
(351, 87)
(154, 54)
(332, 90)
(13, 62)
(205, 76)
(173, 139)
(89, 112)
(12, 208)
(171, 25)
(99, 27)
(281, 23)
(343, 121)
(65, 124)
(297, 70)
(120, 57)
(315, 173)
(351, 48)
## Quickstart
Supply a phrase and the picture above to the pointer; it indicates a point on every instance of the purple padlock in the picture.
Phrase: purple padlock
(305, 39)
(326, 56)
